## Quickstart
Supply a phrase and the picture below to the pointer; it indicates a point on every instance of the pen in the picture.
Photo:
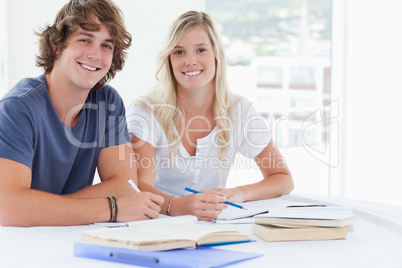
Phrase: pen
(134, 186)
(227, 202)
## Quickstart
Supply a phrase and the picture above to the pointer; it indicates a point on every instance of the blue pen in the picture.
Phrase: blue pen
(227, 202)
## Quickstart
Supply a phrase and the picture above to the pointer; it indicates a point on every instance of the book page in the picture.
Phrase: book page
(327, 213)
(257, 207)
(163, 234)
(127, 234)
(182, 228)
(134, 238)
(161, 217)
(232, 213)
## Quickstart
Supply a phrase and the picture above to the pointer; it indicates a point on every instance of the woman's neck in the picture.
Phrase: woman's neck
(197, 103)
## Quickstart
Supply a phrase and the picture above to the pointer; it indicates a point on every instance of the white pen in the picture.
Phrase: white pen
(134, 186)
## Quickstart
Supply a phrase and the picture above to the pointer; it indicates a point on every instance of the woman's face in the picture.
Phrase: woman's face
(193, 61)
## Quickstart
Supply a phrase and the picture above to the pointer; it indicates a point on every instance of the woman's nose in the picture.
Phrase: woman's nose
(191, 60)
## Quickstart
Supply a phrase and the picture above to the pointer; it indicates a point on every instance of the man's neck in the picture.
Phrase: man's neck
(67, 101)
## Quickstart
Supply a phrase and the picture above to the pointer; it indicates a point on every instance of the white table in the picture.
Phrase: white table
(375, 241)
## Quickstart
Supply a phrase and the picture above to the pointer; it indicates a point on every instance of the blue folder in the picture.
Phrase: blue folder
(186, 258)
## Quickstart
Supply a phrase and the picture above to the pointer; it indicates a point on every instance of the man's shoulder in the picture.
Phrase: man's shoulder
(107, 92)
(25, 87)
(107, 97)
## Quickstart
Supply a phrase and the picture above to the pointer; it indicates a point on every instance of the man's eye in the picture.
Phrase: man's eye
(108, 47)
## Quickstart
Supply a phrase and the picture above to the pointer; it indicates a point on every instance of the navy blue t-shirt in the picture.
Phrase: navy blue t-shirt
(63, 159)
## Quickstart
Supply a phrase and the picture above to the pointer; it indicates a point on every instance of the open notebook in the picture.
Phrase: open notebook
(235, 215)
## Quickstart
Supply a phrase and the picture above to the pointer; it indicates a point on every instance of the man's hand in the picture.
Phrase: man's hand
(138, 206)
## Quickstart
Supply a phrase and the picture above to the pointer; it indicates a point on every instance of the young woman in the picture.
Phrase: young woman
(186, 132)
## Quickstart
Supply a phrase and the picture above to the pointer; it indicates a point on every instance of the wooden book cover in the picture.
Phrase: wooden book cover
(273, 233)
(163, 235)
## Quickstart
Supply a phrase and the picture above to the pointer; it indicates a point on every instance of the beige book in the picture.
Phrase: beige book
(163, 235)
(274, 233)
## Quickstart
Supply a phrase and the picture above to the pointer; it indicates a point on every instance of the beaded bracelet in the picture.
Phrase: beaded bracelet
(113, 208)
(168, 207)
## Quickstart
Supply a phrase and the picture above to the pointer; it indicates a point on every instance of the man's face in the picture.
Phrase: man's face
(86, 59)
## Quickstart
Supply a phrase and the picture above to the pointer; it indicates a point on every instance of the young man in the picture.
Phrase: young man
(56, 129)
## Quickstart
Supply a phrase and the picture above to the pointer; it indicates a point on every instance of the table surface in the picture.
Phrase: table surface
(373, 240)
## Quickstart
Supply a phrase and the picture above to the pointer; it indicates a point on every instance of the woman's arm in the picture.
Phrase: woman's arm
(277, 179)
(206, 206)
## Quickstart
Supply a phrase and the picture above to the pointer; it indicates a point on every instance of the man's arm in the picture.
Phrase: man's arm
(114, 168)
(22, 206)
(116, 165)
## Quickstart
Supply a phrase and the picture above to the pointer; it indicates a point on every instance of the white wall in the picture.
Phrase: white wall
(3, 30)
(368, 78)
(147, 21)
(372, 91)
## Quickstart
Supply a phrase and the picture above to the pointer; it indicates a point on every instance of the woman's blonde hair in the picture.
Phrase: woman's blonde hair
(163, 98)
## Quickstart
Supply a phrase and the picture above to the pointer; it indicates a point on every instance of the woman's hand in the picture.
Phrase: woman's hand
(232, 195)
(206, 206)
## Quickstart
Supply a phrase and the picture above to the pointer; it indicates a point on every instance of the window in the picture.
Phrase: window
(279, 57)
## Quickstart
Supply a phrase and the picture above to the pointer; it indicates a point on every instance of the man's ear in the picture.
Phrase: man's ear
(56, 50)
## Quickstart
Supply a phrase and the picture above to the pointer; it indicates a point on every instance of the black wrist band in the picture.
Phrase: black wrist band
(113, 208)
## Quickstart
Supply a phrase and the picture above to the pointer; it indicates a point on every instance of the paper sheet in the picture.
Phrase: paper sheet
(236, 215)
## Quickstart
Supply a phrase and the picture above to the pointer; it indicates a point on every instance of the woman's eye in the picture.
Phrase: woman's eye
(179, 52)
(201, 50)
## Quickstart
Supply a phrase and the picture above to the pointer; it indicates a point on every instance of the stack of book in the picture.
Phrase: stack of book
(303, 223)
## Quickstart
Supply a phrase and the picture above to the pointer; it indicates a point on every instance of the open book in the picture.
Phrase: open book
(163, 235)
(235, 215)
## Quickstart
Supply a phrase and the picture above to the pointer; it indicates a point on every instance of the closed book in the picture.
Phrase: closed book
(297, 222)
(164, 235)
(332, 216)
(271, 233)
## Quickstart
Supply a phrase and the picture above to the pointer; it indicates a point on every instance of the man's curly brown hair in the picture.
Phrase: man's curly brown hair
(85, 14)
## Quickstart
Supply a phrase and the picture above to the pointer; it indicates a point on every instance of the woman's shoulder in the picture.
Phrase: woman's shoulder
(141, 104)
(238, 102)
